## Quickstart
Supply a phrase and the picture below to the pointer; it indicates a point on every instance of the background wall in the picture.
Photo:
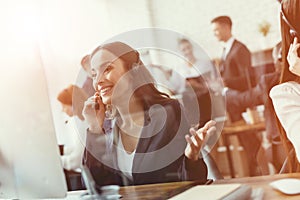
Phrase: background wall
(192, 18)
(66, 30)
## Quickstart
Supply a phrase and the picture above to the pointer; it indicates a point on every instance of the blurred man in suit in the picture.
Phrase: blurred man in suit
(235, 69)
(236, 57)
(259, 95)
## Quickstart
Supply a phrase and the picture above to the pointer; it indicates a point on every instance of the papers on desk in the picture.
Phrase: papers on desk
(290, 186)
(72, 195)
(218, 191)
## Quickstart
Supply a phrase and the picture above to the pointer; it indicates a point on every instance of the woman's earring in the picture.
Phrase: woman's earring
(109, 111)
(135, 66)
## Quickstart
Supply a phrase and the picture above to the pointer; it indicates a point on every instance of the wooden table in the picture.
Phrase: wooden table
(165, 190)
(234, 129)
(241, 126)
(154, 191)
(263, 182)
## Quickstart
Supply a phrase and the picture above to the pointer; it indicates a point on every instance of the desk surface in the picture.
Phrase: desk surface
(165, 190)
(241, 126)
(154, 191)
(263, 182)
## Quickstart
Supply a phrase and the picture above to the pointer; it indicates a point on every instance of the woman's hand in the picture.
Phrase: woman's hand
(195, 141)
(293, 58)
(94, 113)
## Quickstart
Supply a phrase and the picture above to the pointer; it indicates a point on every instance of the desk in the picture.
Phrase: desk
(139, 192)
(241, 126)
(263, 182)
(162, 191)
(154, 191)
(235, 129)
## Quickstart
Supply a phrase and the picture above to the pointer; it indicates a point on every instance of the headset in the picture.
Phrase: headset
(293, 31)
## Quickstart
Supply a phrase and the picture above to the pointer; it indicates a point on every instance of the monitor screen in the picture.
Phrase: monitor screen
(30, 165)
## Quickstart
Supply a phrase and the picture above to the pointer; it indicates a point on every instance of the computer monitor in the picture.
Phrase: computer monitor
(30, 165)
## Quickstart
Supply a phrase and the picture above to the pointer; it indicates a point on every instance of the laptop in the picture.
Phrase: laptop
(30, 165)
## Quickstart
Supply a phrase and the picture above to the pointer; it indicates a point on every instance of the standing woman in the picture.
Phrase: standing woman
(286, 96)
(136, 134)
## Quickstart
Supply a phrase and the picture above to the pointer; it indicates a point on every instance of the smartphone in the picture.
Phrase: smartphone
(96, 105)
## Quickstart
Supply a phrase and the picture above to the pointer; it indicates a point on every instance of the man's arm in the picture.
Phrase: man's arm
(246, 99)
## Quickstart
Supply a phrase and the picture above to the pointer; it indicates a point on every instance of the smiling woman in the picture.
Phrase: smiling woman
(147, 140)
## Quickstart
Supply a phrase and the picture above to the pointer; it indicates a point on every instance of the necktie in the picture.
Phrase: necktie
(223, 57)
(223, 54)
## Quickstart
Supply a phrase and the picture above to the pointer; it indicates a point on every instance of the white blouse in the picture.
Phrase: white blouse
(182, 72)
(125, 159)
(286, 101)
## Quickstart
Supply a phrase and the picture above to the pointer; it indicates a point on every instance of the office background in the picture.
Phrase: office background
(58, 33)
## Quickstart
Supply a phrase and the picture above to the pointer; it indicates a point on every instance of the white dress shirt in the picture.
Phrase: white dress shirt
(227, 46)
(74, 148)
(177, 82)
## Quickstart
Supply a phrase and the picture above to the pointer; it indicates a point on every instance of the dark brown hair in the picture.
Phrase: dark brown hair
(183, 40)
(147, 93)
(222, 20)
(291, 11)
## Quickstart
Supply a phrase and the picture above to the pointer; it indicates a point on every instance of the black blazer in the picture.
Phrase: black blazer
(257, 96)
(159, 154)
(235, 66)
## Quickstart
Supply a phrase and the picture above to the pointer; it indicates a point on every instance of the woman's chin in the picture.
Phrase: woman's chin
(106, 100)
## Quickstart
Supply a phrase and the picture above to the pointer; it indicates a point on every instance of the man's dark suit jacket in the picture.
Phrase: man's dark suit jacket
(235, 66)
(159, 155)
(259, 95)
